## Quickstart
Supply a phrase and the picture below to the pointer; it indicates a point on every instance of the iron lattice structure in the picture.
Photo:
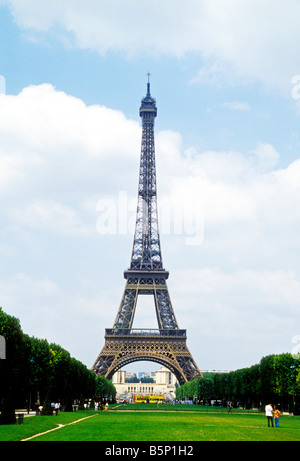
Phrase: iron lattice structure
(146, 276)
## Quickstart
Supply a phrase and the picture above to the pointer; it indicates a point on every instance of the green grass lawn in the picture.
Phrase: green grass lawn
(154, 426)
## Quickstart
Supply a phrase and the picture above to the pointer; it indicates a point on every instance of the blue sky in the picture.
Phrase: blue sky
(227, 146)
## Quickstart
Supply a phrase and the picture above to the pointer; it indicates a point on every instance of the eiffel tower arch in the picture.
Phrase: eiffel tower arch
(146, 275)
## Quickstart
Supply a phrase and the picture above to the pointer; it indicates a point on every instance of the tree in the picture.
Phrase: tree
(286, 369)
(34, 369)
(41, 369)
(205, 389)
(13, 368)
(104, 389)
(275, 379)
(266, 379)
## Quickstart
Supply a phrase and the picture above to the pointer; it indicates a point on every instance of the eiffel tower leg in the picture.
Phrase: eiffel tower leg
(164, 307)
(126, 311)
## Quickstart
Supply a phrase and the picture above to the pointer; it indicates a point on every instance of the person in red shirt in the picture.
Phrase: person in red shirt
(276, 415)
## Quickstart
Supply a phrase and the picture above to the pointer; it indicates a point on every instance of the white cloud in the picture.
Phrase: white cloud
(265, 156)
(48, 137)
(75, 125)
(22, 286)
(51, 216)
(244, 313)
(247, 288)
(236, 105)
(231, 187)
(244, 41)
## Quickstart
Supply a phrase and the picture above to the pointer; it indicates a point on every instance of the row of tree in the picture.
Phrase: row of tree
(35, 373)
(276, 379)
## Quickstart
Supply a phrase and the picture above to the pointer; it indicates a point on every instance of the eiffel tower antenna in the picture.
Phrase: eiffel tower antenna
(146, 276)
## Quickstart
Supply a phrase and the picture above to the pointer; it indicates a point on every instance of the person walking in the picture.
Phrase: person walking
(269, 414)
(276, 415)
(57, 407)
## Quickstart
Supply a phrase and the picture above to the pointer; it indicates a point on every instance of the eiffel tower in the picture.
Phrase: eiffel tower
(146, 276)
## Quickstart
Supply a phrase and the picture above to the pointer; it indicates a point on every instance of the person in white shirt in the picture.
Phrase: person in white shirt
(57, 407)
(269, 414)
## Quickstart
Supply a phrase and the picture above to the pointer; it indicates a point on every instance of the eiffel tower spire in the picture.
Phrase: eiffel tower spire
(146, 276)
(146, 253)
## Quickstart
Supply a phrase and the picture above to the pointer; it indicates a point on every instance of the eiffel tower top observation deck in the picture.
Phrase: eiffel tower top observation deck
(146, 276)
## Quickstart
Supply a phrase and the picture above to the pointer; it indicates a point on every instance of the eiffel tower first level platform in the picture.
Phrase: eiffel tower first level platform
(146, 275)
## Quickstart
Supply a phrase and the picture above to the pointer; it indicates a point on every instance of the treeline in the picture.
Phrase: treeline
(35, 373)
(276, 380)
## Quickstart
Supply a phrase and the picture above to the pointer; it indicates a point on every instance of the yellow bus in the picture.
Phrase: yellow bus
(148, 398)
